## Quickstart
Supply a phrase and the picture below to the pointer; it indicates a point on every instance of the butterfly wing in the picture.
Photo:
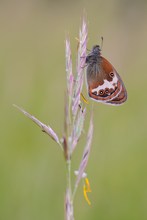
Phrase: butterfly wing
(120, 99)
(104, 83)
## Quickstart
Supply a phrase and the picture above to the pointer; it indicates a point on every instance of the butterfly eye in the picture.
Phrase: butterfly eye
(111, 74)
(101, 92)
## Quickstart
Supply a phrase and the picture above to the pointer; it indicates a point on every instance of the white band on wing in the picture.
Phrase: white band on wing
(106, 84)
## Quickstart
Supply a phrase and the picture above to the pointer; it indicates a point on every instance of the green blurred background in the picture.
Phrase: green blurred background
(32, 75)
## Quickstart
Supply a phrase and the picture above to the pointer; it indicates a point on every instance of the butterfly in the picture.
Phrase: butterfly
(103, 82)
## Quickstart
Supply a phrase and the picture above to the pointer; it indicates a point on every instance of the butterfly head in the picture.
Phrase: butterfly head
(94, 54)
(96, 50)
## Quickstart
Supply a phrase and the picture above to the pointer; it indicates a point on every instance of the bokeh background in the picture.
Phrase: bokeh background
(32, 75)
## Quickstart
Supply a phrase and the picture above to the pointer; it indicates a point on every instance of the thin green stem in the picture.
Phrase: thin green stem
(74, 192)
(69, 187)
(69, 111)
(68, 163)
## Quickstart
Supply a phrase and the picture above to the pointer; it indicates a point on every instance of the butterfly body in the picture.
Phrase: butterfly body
(103, 82)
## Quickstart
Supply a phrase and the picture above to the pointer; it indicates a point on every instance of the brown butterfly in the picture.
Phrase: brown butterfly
(103, 82)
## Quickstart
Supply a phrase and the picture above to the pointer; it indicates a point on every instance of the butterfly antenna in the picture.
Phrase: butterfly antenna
(102, 42)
